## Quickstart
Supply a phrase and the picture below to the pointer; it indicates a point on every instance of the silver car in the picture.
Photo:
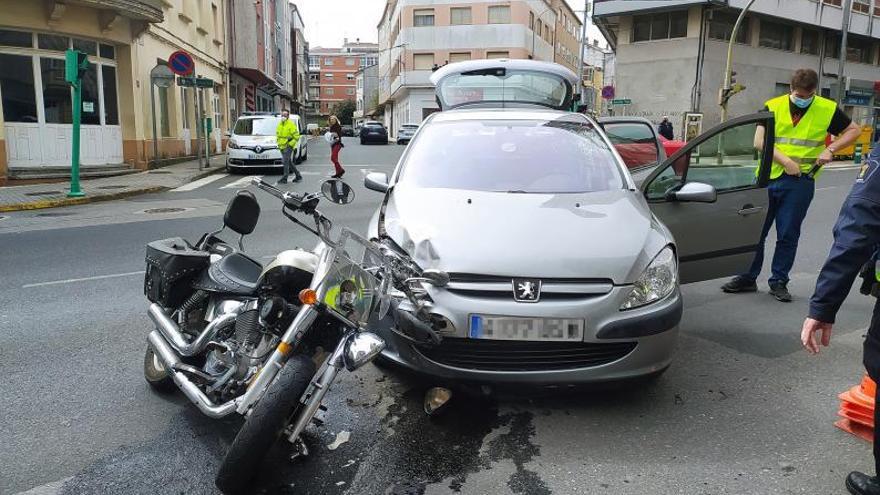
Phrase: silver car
(565, 241)
(406, 132)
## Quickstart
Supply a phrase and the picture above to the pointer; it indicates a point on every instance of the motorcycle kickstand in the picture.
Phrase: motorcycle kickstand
(300, 450)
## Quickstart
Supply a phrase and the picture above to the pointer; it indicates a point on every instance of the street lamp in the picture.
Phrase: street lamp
(727, 91)
(533, 29)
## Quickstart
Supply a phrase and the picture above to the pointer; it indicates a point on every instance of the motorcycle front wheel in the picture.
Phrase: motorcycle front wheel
(264, 425)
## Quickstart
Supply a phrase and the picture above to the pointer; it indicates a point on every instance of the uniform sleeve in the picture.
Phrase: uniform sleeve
(856, 236)
(839, 122)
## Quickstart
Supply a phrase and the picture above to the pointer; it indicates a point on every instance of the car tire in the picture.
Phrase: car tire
(264, 425)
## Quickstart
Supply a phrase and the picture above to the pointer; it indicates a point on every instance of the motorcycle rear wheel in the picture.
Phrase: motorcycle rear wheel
(264, 425)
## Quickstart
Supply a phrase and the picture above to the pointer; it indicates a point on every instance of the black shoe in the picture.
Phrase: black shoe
(780, 292)
(281, 181)
(740, 284)
(339, 175)
(298, 179)
(861, 484)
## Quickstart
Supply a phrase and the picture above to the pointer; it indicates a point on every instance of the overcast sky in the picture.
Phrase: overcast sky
(328, 22)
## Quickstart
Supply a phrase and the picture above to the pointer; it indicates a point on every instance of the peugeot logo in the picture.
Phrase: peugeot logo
(258, 149)
(526, 290)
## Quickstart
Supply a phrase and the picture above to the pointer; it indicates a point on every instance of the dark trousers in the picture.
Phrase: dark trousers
(790, 198)
(287, 160)
(871, 360)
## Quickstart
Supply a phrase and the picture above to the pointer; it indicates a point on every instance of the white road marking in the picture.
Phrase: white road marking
(825, 188)
(199, 183)
(240, 183)
(84, 279)
(52, 488)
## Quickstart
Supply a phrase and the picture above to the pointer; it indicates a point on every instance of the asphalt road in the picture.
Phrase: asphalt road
(742, 409)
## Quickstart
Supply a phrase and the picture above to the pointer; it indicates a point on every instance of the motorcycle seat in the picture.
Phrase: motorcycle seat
(235, 273)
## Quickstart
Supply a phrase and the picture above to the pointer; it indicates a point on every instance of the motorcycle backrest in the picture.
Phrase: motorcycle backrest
(242, 213)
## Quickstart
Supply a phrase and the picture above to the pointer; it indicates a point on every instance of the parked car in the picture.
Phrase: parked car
(406, 132)
(373, 132)
(312, 129)
(564, 260)
(252, 143)
(347, 130)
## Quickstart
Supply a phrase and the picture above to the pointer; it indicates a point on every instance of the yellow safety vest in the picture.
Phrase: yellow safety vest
(804, 142)
(287, 134)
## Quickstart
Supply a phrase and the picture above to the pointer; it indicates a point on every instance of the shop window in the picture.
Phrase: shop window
(499, 14)
(16, 38)
(111, 101)
(423, 17)
(423, 61)
(164, 118)
(107, 51)
(57, 102)
(660, 26)
(809, 42)
(17, 88)
(85, 46)
(721, 27)
(53, 42)
(776, 35)
(460, 15)
(91, 99)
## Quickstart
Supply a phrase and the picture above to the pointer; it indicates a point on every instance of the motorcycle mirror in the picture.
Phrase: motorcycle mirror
(437, 278)
(337, 191)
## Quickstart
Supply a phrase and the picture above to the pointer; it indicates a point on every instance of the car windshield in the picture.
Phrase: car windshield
(257, 127)
(500, 85)
(565, 155)
(372, 124)
(409, 126)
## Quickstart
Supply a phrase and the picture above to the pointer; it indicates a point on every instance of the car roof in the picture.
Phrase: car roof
(464, 114)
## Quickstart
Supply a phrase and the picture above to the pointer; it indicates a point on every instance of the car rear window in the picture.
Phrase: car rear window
(565, 155)
(257, 127)
(634, 142)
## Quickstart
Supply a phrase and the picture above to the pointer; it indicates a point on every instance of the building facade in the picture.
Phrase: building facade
(333, 75)
(670, 58)
(415, 36)
(598, 73)
(567, 35)
(299, 64)
(124, 41)
(367, 94)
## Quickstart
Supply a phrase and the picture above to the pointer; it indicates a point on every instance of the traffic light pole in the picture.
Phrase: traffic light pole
(726, 90)
(75, 191)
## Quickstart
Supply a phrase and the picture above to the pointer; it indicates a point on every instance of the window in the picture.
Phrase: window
(85, 46)
(499, 14)
(809, 42)
(350, 91)
(660, 26)
(832, 2)
(328, 76)
(531, 20)
(16, 38)
(776, 35)
(460, 15)
(350, 62)
(423, 17)
(314, 92)
(52, 42)
(17, 88)
(635, 143)
(328, 91)
(547, 32)
(164, 118)
(721, 27)
(111, 107)
(501, 156)
(863, 6)
(350, 77)
(184, 106)
(498, 54)
(832, 45)
(540, 27)
(314, 77)
(459, 56)
(314, 61)
(57, 102)
(328, 61)
(423, 61)
(859, 50)
(107, 51)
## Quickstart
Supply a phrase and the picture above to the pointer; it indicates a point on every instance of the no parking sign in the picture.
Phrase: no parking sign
(181, 63)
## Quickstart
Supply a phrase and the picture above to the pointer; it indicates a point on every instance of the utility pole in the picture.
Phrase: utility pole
(844, 31)
(581, 53)
(727, 90)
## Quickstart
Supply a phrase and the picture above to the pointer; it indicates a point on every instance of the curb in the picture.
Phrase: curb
(55, 203)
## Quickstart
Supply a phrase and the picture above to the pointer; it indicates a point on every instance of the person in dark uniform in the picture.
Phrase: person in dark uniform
(856, 241)
(665, 129)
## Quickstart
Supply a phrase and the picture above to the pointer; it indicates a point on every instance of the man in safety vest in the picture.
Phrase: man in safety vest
(287, 135)
(803, 119)
(856, 239)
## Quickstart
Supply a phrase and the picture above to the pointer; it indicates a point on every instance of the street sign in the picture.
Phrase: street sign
(608, 92)
(181, 63)
(621, 101)
(162, 76)
(195, 82)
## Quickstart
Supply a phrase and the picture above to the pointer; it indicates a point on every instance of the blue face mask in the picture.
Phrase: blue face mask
(801, 102)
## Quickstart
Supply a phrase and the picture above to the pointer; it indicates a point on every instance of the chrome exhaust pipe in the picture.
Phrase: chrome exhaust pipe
(189, 389)
(171, 331)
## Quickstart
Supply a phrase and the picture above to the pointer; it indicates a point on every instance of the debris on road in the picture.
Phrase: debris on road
(341, 438)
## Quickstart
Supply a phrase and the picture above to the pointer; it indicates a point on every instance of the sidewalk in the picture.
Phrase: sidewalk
(36, 196)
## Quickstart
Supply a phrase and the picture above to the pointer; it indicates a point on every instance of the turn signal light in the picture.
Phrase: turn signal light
(308, 296)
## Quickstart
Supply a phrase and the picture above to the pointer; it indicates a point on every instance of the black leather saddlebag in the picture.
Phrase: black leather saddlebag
(172, 265)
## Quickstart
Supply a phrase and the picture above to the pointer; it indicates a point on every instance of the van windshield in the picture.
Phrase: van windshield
(257, 127)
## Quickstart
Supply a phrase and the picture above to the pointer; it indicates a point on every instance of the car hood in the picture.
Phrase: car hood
(590, 235)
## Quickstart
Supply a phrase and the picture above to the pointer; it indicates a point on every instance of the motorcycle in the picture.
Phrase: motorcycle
(268, 342)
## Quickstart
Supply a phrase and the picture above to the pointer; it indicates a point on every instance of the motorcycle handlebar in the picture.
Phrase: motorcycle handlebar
(289, 199)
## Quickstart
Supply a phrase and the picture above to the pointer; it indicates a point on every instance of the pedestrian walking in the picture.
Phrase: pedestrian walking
(856, 242)
(803, 120)
(665, 129)
(335, 146)
(288, 136)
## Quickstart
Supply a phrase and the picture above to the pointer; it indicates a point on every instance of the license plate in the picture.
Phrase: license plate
(518, 328)
(254, 156)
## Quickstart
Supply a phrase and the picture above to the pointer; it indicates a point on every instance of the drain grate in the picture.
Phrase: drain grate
(112, 187)
(56, 214)
(159, 172)
(42, 193)
(156, 211)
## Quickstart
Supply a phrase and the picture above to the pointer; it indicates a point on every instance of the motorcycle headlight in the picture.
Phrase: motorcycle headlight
(656, 282)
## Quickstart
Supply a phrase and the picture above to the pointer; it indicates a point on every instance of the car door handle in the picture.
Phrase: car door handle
(750, 210)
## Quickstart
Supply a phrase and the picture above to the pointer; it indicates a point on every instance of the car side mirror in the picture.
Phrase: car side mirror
(376, 181)
(694, 192)
(337, 191)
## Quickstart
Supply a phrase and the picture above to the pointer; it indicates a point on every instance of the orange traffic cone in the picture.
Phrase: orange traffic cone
(857, 409)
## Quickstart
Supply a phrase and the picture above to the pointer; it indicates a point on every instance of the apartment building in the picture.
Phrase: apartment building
(366, 94)
(333, 73)
(415, 36)
(124, 40)
(299, 49)
(598, 73)
(567, 35)
(670, 55)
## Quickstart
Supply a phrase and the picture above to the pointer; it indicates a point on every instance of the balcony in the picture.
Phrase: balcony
(141, 10)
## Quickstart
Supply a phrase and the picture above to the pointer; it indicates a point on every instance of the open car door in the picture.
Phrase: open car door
(711, 195)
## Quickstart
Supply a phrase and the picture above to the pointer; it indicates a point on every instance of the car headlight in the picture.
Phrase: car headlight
(656, 282)
(233, 145)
